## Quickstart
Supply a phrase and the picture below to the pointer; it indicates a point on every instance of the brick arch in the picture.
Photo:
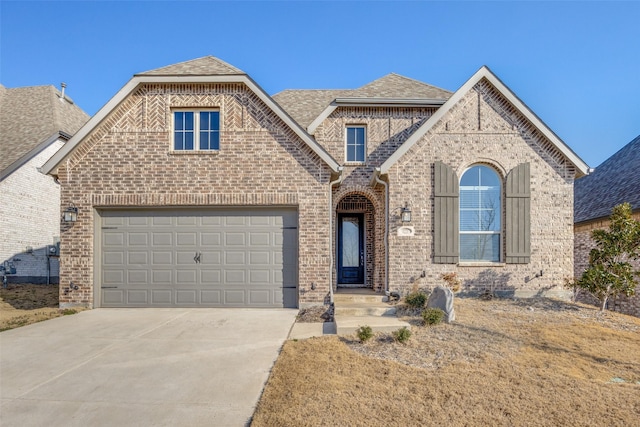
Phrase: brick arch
(493, 164)
(375, 265)
(366, 192)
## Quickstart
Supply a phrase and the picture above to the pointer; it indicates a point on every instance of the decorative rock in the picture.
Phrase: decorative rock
(442, 298)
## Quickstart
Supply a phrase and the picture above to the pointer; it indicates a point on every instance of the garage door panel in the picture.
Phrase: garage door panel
(137, 258)
(211, 297)
(162, 238)
(210, 277)
(138, 296)
(189, 296)
(186, 277)
(210, 239)
(186, 239)
(160, 258)
(161, 221)
(161, 297)
(199, 257)
(235, 276)
(162, 277)
(234, 239)
(138, 239)
(234, 297)
(137, 276)
(235, 258)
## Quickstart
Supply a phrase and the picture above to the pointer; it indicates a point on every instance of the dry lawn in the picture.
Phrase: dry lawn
(502, 363)
(24, 304)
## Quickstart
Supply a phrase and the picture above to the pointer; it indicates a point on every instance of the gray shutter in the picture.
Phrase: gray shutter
(518, 211)
(445, 224)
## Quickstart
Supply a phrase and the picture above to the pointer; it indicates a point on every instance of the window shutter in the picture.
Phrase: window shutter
(518, 211)
(445, 224)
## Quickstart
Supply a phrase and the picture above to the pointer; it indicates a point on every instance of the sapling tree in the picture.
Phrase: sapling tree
(610, 272)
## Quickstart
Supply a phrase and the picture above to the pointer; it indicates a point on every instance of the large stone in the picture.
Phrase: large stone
(442, 298)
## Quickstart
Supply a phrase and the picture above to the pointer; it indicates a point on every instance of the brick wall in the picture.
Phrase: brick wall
(484, 128)
(583, 245)
(30, 217)
(127, 161)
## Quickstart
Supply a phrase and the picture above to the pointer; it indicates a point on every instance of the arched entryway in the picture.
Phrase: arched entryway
(355, 241)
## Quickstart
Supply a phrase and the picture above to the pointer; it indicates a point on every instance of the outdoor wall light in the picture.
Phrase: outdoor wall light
(70, 214)
(405, 215)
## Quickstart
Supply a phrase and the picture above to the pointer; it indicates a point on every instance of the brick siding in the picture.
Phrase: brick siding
(30, 217)
(127, 161)
(484, 128)
(582, 246)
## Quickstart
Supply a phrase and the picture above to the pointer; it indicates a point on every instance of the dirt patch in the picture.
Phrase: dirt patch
(24, 304)
(503, 362)
(315, 314)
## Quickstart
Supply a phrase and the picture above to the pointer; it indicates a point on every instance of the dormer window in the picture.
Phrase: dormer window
(196, 130)
(356, 144)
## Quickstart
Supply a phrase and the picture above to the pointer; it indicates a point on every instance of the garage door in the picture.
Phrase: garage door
(199, 258)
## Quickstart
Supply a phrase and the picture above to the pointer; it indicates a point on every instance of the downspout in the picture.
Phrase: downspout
(376, 176)
(331, 184)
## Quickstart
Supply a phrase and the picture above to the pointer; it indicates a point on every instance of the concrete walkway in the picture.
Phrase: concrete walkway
(140, 367)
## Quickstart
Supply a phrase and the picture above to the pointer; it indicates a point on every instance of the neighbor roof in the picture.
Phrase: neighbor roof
(31, 118)
(312, 106)
(207, 69)
(615, 181)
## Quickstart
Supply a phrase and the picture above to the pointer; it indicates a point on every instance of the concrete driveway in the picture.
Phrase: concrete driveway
(142, 367)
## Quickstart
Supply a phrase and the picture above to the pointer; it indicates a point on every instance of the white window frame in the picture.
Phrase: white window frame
(346, 144)
(196, 129)
(498, 232)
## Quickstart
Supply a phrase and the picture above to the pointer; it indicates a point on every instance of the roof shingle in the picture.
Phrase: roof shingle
(31, 115)
(205, 66)
(615, 181)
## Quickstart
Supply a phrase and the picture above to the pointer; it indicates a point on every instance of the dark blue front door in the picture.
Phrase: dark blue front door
(350, 249)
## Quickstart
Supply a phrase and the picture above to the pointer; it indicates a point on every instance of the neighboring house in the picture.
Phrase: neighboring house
(196, 188)
(35, 122)
(614, 182)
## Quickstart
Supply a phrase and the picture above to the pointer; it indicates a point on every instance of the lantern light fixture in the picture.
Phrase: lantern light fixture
(70, 214)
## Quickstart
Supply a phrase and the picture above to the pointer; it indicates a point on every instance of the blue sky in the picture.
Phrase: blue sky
(575, 64)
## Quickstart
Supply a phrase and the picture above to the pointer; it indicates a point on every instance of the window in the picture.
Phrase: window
(196, 130)
(356, 144)
(480, 215)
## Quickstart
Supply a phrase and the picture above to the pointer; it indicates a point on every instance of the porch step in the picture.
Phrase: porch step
(359, 307)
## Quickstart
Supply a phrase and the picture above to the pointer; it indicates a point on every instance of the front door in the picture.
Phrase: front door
(351, 249)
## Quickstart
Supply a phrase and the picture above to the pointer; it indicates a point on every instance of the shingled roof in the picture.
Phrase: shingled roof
(30, 116)
(304, 106)
(615, 181)
(205, 66)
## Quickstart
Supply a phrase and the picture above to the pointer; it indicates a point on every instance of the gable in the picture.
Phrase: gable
(487, 88)
(199, 72)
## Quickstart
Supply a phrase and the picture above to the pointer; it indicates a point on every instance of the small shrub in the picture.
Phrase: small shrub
(364, 333)
(416, 299)
(402, 335)
(68, 311)
(432, 316)
(452, 280)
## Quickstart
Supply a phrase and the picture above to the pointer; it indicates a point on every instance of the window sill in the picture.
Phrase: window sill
(194, 152)
(481, 264)
(355, 163)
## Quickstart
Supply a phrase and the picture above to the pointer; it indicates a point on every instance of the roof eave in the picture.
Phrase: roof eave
(50, 167)
(484, 72)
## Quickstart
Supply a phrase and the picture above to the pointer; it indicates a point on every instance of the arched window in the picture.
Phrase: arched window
(480, 215)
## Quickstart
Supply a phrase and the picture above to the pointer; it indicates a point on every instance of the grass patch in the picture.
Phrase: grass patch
(503, 362)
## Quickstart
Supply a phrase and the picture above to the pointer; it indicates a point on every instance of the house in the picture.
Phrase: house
(34, 123)
(614, 182)
(194, 187)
